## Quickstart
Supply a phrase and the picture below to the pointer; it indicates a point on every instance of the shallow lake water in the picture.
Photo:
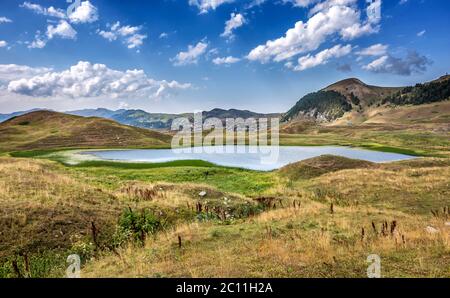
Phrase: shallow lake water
(247, 157)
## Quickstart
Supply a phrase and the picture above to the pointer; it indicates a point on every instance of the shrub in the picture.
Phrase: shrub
(137, 225)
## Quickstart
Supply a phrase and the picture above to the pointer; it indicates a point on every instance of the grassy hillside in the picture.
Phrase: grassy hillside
(302, 236)
(284, 227)
(432, 116)
(50, 130)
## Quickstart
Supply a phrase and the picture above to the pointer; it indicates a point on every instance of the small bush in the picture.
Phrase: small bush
(137, 225)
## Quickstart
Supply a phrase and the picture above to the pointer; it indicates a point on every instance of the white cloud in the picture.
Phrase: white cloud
(5, 20)
(225, 60)
(371, 25)
(206, 5)
(254, 3)
(3, 43)
(327, 4)
(310, 61)
(335, 18)
(37, 44)
(10, 72)
(300, 3)
(130, 35)
(421, 33)
(192, 54)
(403, 1)
(39, 41)
(236, 20)
(62, 29)
(50, 12)
(87, 80)
(163, 35)
(85, 13)
(413, 62)
(374, 50)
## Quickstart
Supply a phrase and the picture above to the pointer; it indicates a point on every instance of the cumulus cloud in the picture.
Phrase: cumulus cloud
(130, 35)
(225, 60)
(300, 3)
(412, 63)
(327, 4)
(49, 12)
(3, 43)
(87, 80)
(5, 20)
(310, 61)
(60, 30)
(337, 17)
(63, 30)
(9, 72)
(39, 41)
(374, 50)
(371, 25)
(85, 13)
(236, 20)
(206, 5)
(192, 54)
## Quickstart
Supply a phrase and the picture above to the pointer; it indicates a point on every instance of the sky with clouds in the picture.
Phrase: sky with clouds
(185, 55)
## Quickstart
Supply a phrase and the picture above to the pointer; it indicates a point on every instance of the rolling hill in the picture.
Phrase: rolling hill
(49, 130)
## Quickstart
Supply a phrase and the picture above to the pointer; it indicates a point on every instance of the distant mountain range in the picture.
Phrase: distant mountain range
(143, 119)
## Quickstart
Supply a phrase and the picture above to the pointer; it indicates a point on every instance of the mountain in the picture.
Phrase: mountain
(233, 113)
(323, 106)
(353, 95)
(161, 121)
(140, 118)
(102, 113)
(47, 129)
(359, 93)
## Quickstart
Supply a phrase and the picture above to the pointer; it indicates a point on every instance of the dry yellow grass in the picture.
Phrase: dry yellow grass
(305, 241)
(409, 188)
(434, 116)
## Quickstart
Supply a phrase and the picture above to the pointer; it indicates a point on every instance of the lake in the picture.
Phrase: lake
(247, 157)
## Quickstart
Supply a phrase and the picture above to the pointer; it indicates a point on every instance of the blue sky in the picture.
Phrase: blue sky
(185, 55)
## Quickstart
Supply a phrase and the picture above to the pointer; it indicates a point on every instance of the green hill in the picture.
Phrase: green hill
(50, 130)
